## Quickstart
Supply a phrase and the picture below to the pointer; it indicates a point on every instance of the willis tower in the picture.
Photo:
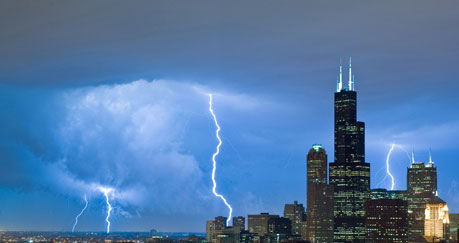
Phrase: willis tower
(349, 174)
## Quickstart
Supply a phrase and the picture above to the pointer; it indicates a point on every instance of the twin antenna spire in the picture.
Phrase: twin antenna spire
(350, 86)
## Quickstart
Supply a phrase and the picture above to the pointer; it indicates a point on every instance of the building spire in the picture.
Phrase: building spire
(412, 156)
(430, 156)
(350, 75)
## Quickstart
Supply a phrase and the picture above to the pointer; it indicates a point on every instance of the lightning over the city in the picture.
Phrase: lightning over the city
(82, 211)
(214, 188)
(388, 166)
(106, 192)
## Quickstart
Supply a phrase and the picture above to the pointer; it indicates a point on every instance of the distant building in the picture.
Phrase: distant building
(239, 222)
(220, 223)
(210, 231)
(453, 225)
(296, 213)
(258, 223)
(319, 225)
(349, 173)
(247, 237)
(153, 232)
(421, 188)
(280, 226)
(228, 235)
(436, 224)
(386, 221)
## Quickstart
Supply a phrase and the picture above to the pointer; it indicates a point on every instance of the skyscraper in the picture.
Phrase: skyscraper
(295, 212)
(319, 225)
(421, 188)
(349, 174)
(220, 223)
(386, 221)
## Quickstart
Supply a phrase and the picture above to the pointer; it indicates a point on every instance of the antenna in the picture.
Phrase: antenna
(430, 156)
(340, 86)
(412, 156)
(350, 74)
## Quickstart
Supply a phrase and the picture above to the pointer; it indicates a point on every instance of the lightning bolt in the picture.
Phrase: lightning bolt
(388, 168)
(106, 191)
(214, 188)
(76, 219)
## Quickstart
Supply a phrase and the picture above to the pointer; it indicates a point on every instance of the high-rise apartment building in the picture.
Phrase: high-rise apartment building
(220, 223)
(210, 231)
(349, 173)
(239, 221)
(296, 213)
(386, 221)
(421, 188)
(319, 224)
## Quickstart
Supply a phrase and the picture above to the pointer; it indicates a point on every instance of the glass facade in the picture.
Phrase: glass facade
(349, 174)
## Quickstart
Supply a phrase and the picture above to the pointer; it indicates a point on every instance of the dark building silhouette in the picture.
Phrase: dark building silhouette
(421, 188)
(239, 221)
(279, 225)
(319, 224)
(386, 221)
(297, 215)
(349, 174)
(220, 223)
(258, 223)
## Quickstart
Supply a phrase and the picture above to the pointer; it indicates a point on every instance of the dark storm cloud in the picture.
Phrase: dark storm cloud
(273, 65)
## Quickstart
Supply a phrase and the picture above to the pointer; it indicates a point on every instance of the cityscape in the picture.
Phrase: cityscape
(203, 121)
(341, 206)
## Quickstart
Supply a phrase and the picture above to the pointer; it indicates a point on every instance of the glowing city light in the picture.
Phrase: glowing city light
(388, 168)
(214, 188)
(106, 191)
(76, 218)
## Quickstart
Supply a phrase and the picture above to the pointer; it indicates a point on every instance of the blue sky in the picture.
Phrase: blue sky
(115, 95)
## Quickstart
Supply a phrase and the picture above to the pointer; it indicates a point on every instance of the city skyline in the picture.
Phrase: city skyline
(107, 101)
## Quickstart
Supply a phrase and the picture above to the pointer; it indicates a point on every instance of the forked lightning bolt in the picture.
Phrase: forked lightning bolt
(106, 191)
(388, 168)
(214, 188)
(76, 219)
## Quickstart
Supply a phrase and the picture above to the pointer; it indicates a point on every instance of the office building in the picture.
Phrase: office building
(319, 225)
(258, 223)
(386, 221)
(296, 213)
(279, 226)
(421, 188)
(349, 173)
(436, 223)
(228, 235)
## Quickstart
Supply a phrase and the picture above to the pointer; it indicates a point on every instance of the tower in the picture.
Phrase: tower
(319, 198)
(349, 173)
(421, 188)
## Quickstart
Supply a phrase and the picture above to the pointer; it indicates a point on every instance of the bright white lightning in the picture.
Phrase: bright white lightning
(387, 166)
(106, 191)
(214, 188)
(76, 219)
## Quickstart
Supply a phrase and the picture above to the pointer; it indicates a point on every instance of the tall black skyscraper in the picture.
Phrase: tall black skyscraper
(349, 174)
(421, 188)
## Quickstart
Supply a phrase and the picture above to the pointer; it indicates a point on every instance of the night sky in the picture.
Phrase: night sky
(114, 93)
